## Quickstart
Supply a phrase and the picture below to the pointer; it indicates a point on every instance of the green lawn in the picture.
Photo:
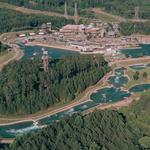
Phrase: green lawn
(132, 82)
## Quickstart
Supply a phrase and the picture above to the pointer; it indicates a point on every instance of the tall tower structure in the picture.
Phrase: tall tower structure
(45, 60)
(136, 9)
(65, 11)
(75, 12)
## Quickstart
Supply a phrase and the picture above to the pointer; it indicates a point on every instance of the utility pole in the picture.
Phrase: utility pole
(75, 12)
(65, 11)
(136, 9)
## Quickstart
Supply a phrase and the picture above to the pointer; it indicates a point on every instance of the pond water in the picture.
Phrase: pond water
(107, 95)
(120, 71)
(140, 88)
(144, 50)
(36, 52)
(118, 81)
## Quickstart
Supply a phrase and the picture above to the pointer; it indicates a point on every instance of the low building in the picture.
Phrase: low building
(82, 46)
(32, 34)
(93, 31)
(22, 35)
(71, 29)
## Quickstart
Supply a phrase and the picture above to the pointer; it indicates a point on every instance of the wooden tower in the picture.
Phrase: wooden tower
(45, 60)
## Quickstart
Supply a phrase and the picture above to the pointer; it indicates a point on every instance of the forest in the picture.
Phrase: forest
(14, 21)
(125, 129)
(124, 8)
(3, 47)
(129, 28)
(28, 89)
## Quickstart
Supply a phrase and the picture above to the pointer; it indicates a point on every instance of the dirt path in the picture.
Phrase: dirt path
(16, 52)
(31, 11)
(100, 11)
(119, 18)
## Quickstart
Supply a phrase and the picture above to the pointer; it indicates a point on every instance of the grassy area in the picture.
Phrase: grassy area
(93, 14)
(5, 57)
(101, 14)
(144, 60)
(28, 11)
(132, 82)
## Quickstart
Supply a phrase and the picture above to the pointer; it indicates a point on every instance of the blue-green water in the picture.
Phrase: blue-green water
(119, 79)
(66, 113)
(140, 88)
(36, 51)
(139, 52)
(11, 130)
(107, 95)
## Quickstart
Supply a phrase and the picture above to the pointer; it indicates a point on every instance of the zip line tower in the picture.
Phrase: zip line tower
(45, 60)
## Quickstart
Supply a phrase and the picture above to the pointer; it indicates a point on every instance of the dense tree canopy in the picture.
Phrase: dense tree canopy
(11, 20)
(126, 129)
(138, 117)
(14, 21)
(3, 47)
(120, 7)
(101, 130)
(2, 146)
(128, 28)
(28, 89)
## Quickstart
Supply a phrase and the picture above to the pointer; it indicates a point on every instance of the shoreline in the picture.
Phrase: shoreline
(62, 47)
(65, 108)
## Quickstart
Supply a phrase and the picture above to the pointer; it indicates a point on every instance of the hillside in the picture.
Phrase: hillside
(91, 132)
(119, 7)
(28, 89)
(127, 129)
(15, 21)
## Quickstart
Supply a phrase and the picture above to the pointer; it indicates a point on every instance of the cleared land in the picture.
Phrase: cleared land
(5, 58)
(15, 54)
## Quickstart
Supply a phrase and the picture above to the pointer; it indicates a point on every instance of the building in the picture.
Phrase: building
(71, 29)
(93, 31)
(82, 46)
